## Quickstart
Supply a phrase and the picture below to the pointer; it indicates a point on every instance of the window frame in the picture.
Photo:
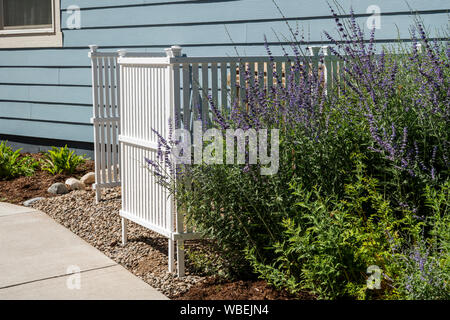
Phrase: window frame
(23, 37)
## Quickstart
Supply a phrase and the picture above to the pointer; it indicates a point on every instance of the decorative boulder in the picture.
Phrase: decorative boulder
(58, 188)
(75, 184)
(29, 202)
(88, 178)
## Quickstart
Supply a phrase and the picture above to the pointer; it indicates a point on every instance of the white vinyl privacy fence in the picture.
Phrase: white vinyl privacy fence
(135, 93)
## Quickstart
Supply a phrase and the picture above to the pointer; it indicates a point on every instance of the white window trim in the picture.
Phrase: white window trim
(38, 37)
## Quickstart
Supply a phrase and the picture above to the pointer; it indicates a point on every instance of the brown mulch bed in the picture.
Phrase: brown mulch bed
(21, 189)
(213, 289)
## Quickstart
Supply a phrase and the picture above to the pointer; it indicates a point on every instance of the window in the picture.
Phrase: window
(30, 23)
(26, 14)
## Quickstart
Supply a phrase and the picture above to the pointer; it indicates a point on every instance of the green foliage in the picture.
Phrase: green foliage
(207, 262)
(214, 198)
(425, 273)
(363, 180)
(61, 160)
(328, 245)
(424, 266)
(13, 165)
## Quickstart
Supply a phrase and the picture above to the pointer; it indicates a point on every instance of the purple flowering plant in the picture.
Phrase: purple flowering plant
(388, 107)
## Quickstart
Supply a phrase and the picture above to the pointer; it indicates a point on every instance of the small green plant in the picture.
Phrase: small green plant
(61, 160)
(425, 273)
(207, 263)
(12, 165)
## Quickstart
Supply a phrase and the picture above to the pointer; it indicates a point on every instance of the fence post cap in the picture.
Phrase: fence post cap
(93, 47)
(122, 52)
(173, 51)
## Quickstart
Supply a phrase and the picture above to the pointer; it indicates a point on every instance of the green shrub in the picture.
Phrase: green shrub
(424, 265)
(425, 273)
(13, 165)
(362, 180)
(61, 160)
(328, 245)
(206, 261)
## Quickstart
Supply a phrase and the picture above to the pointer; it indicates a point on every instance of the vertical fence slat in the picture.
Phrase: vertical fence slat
(95, 91)
(214, 85)
(233, 92)
(186, 98)
(108, 108)
(101, 123)
(261, 76)
(251, 71)
(279, 70)
(223, 86)
(195, 91)
(242, 68)
(269, 66)
(176, 95)
(114, 132)
(204, 93)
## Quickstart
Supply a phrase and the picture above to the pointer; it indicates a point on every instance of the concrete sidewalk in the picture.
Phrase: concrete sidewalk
(38, 258)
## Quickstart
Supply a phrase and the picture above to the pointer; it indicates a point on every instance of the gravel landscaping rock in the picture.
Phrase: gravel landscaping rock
(58, 188)
(145, 254)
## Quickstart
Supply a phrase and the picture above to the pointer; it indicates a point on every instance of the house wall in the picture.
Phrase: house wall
(45, 94)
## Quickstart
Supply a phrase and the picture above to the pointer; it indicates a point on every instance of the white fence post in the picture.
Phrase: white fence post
(174, 85)
(122, 53)
(93, 49)
(172, 52)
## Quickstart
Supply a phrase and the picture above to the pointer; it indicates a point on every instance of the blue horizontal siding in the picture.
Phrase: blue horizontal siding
(44, 57)
(67, 58)
(44, 92)
(105, 3)
(54, 112)
(55, 94)
(237, 11)
(248, 7)
(46, 129)
(392, 27)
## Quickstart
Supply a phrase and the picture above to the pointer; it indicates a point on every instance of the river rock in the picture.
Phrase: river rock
(29, 202)
(88, 178)
(58, 188)
(75, 184)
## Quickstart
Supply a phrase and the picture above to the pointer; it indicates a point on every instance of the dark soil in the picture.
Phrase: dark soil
(21, 189)
(238, 290)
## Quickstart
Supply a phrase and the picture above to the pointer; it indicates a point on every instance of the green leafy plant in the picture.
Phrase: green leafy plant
(362, 180)
(13, 165)
(61, 160)
(425, 264)
(205, 261)
(328, 244)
